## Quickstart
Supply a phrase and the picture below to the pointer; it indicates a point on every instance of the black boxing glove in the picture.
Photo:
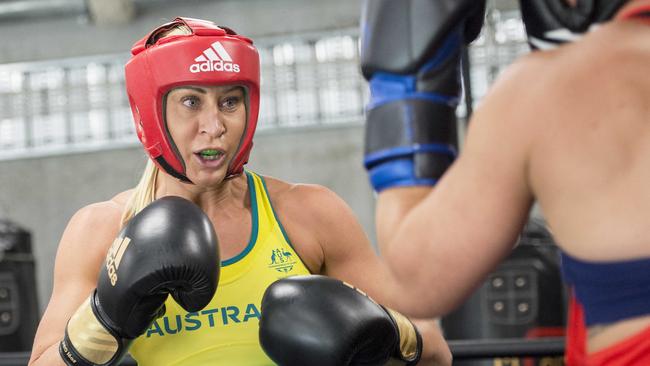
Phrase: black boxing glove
(411, 55)
(550, 23)
(170, 247)
(321, 321)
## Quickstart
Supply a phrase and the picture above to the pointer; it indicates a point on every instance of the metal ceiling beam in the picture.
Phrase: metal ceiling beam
(26, 9)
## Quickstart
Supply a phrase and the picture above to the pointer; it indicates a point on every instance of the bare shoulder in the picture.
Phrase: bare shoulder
(92, 228)
(506, 112)
(599, 55)
(614, 37)
(544, 89)
(315, 219)
(100, 215)
(122, 198)
(619, 51)
(299, 198)
(607, 65)
(288, 190)
(604, 62)
(516, 88)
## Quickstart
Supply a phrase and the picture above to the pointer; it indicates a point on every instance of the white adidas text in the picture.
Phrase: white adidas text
(214, 58)
(214, 66)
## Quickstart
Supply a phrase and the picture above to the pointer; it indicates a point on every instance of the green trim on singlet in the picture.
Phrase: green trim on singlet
(284, 233)
(253, 239)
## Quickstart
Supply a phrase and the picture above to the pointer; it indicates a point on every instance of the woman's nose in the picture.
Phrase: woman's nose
(212, 124)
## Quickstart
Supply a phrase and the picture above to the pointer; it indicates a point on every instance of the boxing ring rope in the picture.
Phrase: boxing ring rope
(461, 349)
(493, 348)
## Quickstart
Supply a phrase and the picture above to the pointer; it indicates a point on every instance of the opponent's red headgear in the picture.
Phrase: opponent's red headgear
(210, 55)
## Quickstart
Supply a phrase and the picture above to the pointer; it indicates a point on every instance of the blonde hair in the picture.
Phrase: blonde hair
(170, 30)
(145, 191)
(178, 29)
(143, 194)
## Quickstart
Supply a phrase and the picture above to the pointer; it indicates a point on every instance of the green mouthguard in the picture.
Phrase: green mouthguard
(209, 152)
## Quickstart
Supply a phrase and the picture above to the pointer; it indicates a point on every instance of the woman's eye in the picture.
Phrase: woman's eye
(230, 103)
(190, 102)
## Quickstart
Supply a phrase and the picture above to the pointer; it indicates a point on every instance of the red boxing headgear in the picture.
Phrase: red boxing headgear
(211, 55)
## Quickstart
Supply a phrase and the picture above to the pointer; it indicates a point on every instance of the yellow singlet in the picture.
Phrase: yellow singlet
(226, 331)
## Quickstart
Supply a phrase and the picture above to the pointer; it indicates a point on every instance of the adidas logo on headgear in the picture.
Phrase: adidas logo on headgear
(214, 58)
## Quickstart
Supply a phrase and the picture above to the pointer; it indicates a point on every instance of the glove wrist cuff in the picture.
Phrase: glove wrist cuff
(409, 141)
(409, 349)
(89, 342)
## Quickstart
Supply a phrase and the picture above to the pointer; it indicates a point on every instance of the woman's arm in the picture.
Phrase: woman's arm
(441, 242)
(80, 254)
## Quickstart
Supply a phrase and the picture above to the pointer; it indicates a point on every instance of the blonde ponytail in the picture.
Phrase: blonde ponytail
(143, 194)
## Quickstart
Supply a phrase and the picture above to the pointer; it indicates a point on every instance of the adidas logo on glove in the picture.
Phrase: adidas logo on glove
(214, 58)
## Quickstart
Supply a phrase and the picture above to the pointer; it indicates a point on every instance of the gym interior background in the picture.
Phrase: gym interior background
(67, 137)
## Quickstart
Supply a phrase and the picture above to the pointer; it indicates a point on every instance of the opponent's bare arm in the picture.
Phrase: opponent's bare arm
(442, 242)
(80, 254)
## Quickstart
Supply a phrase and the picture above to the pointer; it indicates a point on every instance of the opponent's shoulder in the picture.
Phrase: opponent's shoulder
(506, 109)
(618, 53)
(544, 83)
(614, 37)
(615, 53)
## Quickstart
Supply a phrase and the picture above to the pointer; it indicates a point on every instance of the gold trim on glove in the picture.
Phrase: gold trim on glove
(408, 339)
(89, 337)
